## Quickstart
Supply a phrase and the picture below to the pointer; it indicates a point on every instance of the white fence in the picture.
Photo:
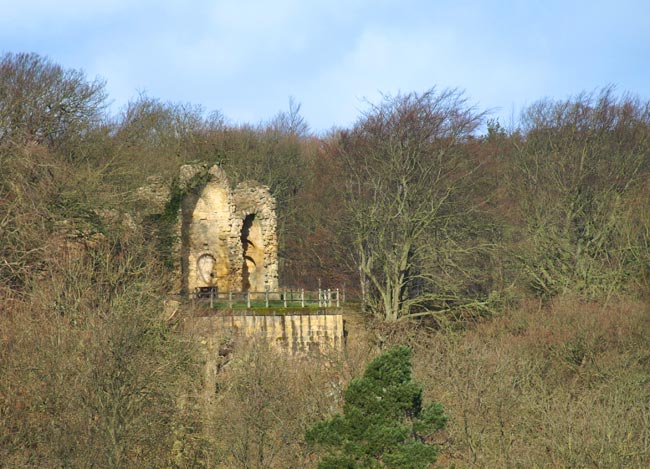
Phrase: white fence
(322, 298)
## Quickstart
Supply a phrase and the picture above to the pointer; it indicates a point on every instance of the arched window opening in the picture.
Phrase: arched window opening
(205, 268)
(247, 245)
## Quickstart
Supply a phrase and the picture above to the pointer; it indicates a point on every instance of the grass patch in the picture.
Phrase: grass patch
(261, 309)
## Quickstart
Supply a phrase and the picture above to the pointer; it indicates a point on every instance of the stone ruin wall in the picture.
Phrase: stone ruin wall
(227, 239)
(298, 335)
(294, 333)
(255, 206)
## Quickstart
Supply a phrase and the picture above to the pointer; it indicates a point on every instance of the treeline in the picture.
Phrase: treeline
(416, 210)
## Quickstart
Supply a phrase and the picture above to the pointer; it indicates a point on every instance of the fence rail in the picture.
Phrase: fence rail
(322, 298)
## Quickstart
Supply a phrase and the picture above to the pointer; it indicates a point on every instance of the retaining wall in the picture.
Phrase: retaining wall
(295, 333)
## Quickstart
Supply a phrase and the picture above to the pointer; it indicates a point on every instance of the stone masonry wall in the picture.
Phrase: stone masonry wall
(251, 199)
(211, 239)
(293, 333)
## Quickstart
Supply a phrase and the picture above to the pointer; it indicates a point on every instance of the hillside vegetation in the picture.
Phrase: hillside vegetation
(514, 262)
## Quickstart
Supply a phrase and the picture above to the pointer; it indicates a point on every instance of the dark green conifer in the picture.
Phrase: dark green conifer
(384, 423)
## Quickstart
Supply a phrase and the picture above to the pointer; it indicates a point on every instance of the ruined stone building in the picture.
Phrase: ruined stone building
(226, 237)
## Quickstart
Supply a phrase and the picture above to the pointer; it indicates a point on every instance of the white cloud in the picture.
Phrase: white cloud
(246, 57)
(389, 60)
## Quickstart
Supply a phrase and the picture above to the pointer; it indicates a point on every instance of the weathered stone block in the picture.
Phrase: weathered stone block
(228, 238)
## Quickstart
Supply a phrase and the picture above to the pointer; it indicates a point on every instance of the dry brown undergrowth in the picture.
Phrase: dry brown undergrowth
(566, 385)
(562, 386)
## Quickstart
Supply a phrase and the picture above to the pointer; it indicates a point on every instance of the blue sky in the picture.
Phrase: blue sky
(246, 58)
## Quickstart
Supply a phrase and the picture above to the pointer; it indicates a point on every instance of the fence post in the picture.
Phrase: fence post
(211, 298)
(338, 298)
(302, 297)
(248, 299)
(285, 297)
(266, 296)
(230, 299)
(329, 298)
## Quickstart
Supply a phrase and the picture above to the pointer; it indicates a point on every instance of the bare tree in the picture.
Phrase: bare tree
(291, 121)
(578, 168)
(406, 168)
(42, 102)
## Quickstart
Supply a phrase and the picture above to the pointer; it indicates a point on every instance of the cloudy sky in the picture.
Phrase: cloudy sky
(246, 58)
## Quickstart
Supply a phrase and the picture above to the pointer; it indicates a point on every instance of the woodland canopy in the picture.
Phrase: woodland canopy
(424, 210)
